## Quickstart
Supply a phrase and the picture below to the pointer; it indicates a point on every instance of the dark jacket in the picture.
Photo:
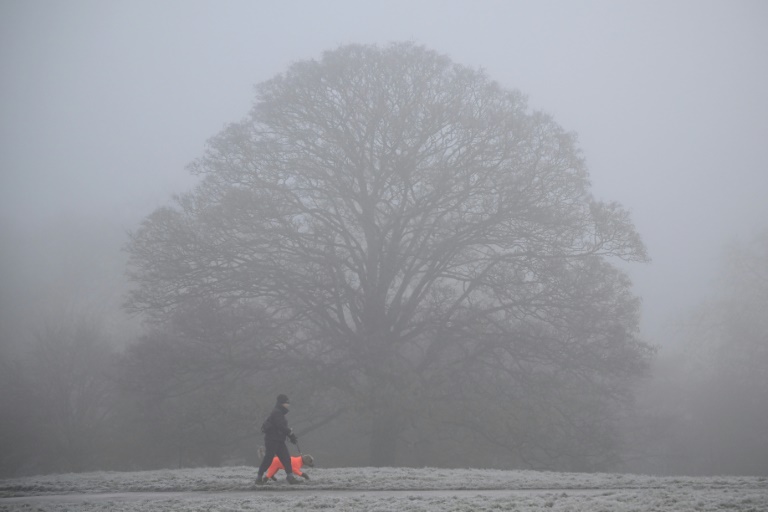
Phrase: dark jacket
(276, 426)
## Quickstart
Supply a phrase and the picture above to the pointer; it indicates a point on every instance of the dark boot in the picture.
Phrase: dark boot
(291, 478)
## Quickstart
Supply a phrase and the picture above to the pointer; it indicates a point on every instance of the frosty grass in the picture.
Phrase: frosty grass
(381, 489)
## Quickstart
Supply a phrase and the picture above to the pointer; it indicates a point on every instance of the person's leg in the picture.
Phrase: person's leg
(270, 448)
(285, 458)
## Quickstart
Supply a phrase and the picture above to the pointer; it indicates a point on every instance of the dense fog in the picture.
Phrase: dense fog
(630, 336)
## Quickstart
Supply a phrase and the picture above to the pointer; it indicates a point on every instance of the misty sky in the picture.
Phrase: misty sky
(103, 103)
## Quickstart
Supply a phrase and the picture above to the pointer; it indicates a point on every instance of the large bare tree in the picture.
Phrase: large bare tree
(414, 218)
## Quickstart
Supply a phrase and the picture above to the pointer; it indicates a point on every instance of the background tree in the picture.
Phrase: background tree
(18, 418)
(704, 411)
(410, 219)
(193, 391)
(58, 396)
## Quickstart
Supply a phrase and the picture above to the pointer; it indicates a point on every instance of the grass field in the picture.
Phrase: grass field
(381, 489)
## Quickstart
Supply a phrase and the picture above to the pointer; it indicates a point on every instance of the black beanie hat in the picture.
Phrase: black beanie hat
(282, 399)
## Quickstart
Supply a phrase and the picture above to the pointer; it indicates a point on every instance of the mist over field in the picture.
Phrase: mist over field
(511, 235)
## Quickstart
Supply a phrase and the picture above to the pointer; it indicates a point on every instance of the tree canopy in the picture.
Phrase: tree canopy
(431, 242)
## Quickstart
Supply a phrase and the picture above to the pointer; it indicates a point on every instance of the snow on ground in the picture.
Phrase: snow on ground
(381, 489)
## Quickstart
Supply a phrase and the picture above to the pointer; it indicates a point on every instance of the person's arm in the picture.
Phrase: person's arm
(281, 424)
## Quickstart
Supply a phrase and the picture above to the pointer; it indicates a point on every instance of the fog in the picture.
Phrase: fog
(103, 104)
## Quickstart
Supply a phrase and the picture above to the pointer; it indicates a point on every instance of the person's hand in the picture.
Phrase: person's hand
(293, 438)
(305, 476)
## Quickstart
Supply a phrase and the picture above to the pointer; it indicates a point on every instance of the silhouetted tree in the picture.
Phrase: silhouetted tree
(58, 398)
(410, 218)
(192, 390)
(703, 412)
(18, 416)
(715, 398)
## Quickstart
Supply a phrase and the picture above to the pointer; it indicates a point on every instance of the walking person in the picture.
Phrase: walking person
(276, 430)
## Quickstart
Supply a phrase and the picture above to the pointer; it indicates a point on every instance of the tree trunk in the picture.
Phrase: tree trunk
(384, 437)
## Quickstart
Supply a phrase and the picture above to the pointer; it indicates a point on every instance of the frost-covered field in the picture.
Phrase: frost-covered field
(381, 489)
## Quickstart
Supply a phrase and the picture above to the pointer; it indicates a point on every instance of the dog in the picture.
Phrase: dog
(297, 463)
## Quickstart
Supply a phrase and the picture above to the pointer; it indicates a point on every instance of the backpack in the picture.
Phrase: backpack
(267, 425)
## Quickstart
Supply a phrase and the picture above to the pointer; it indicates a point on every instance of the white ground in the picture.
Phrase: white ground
(381, 489)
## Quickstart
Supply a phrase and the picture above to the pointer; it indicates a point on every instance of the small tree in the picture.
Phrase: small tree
(190, 389)
(704, 411)
(728, 411)
(409, 216)
(60, 395)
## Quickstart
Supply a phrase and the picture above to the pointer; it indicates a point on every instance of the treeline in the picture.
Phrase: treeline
(71, 402)
(174, 399)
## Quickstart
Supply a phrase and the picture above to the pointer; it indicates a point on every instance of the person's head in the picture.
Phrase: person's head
(283, 400)
(308, 460)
